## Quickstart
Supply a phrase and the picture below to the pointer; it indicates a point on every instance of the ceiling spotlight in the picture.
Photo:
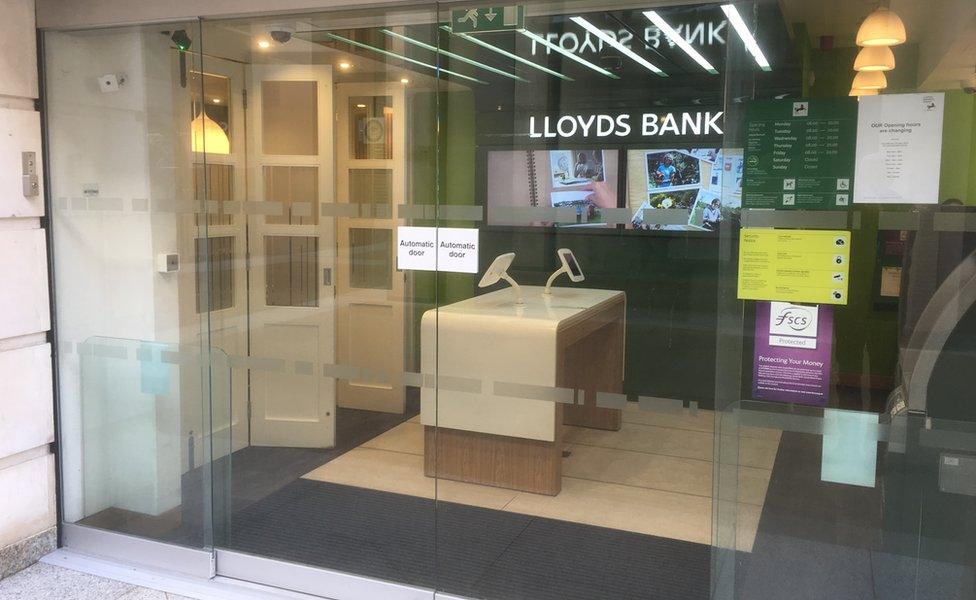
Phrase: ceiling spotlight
(881, 28)
(216, 100)
(345, 66)
(404, 80)
(870, 80)
(875, 58)
(360, 106)
(264, 44)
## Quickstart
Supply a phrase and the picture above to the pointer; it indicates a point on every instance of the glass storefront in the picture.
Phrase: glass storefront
(557, 300)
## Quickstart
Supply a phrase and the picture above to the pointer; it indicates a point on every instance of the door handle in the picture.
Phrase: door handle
(326, 275)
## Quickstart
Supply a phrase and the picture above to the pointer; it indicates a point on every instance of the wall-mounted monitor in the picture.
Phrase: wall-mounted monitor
(585, 180)
(705, 182)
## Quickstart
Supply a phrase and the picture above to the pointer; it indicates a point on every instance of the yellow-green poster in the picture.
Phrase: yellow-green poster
(791, 265)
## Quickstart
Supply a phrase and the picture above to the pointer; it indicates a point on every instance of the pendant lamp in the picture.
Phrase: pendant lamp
(881, 28)
(861, 92)
(870, 80)
(874, 58)
(207, 135)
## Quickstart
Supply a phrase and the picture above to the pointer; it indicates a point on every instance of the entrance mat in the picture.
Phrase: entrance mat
(478, 552)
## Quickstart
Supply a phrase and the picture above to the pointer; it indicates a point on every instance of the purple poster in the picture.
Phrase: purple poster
(793, 350)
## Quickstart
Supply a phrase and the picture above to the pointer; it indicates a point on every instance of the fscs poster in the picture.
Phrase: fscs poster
(793, 351)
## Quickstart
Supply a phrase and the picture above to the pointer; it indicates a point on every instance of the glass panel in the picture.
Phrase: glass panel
(370, 258)
(289, 117)
(371, 186)
(215, 273)
(148, 471)
(371, 127)
(333, 330)
(297, 189)
(210, 128)
(611, 398)
(145, 399)
(292, 270)
(214, 182)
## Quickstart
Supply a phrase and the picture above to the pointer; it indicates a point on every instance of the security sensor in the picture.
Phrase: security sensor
(167, 263)
(181, 39)
(569, 266)
(498, 270)
(110, 83)
(281, 33)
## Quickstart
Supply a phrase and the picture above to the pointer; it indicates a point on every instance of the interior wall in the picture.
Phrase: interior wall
(105, 254)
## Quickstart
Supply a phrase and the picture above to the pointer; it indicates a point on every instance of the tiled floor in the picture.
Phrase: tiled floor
(47, 582)
(654, 476)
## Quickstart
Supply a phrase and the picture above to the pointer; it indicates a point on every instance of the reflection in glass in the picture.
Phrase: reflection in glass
(371, 127)
(210, 127)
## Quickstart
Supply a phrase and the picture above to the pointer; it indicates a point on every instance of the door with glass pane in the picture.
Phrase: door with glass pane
(291, 244)
(212, 241)
(370, 179)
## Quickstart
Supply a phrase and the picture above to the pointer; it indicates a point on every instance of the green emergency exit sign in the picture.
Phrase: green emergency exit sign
(489, 18)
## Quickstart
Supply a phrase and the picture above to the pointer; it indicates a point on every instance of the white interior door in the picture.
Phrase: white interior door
(371, 174)
(212, 248)
(291, 247)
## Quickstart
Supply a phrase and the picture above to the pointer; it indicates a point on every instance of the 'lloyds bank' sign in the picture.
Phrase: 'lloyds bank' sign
(626, 125)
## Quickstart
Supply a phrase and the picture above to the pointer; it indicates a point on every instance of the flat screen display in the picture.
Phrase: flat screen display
(583, 179)
(706, 182)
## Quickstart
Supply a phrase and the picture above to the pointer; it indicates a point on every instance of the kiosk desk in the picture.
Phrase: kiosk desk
(509, 377)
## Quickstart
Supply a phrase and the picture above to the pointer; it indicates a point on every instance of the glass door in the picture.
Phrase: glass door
(329, 491)
(576, 418)
(844, 303)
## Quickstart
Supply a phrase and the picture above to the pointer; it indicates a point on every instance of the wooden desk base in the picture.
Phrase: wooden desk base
(590, 358)
(498, 460)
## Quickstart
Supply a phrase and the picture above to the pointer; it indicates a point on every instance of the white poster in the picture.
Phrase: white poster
(446, 249)
(899, 148)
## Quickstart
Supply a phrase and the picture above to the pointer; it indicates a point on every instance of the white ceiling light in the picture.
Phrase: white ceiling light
(414, 61)
(881, 28)
(740, 27)
(678, 40)
(612, 41)
(870, 80)
(463, 59)
(506, 53)
(875, 58)
(557, 48)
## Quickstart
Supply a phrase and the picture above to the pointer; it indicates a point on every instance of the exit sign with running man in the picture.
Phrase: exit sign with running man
(486, 19)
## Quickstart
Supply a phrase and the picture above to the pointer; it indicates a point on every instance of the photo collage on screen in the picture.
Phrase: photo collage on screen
(585, 180)
(706, 182)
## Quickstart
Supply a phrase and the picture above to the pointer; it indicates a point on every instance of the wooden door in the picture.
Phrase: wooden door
(291, 245)
(370, 174)
(212, 248)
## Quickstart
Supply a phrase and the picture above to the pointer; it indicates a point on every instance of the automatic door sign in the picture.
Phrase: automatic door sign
(792, 265)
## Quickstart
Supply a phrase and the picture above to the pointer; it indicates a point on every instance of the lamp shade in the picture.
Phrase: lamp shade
(881, 28)
(207, 135)
(875, 58)
(860, 92)
(870, 80)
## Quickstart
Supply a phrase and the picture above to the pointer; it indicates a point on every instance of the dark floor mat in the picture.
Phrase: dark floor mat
(480, 553)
